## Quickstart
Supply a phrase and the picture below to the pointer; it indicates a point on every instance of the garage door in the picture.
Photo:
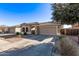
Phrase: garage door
(48, 30)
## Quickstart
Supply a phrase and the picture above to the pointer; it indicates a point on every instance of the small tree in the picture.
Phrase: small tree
(66, 13)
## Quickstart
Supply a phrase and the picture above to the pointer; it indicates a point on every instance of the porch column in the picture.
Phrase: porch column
(57, 30)
(29, 29)
(35, 29)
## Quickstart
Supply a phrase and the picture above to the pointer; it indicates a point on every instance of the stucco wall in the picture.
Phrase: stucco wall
(48, 30)
(17, 29)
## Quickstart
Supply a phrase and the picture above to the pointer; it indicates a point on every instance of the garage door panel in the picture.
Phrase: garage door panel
(48, 30)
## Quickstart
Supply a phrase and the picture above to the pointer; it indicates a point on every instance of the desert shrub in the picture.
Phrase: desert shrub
(57, 49)
(67, 48)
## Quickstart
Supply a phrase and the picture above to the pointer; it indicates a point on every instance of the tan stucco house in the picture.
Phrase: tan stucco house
(46, 28)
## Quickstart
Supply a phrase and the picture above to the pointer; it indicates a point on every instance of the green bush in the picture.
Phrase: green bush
(18, 33)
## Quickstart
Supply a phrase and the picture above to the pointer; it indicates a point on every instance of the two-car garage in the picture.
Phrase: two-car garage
(49, 29)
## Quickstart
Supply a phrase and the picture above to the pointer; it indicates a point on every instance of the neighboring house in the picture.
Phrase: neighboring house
(3, 29)
(74, 30)
(11, 29)
(75, 26)
(7, 29)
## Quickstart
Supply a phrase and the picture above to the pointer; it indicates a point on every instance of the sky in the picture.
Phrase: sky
(17, 13)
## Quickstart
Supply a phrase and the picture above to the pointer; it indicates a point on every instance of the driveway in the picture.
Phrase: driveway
(37, 37)
(31, 45)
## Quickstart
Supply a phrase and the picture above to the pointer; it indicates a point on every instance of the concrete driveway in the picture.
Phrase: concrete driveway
(29, 47)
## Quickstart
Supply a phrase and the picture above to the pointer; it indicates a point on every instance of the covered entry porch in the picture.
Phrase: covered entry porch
(30, 29)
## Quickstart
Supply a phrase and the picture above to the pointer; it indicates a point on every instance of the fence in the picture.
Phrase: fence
(74, 32)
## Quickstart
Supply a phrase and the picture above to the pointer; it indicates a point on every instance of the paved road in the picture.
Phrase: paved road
(38, 50)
